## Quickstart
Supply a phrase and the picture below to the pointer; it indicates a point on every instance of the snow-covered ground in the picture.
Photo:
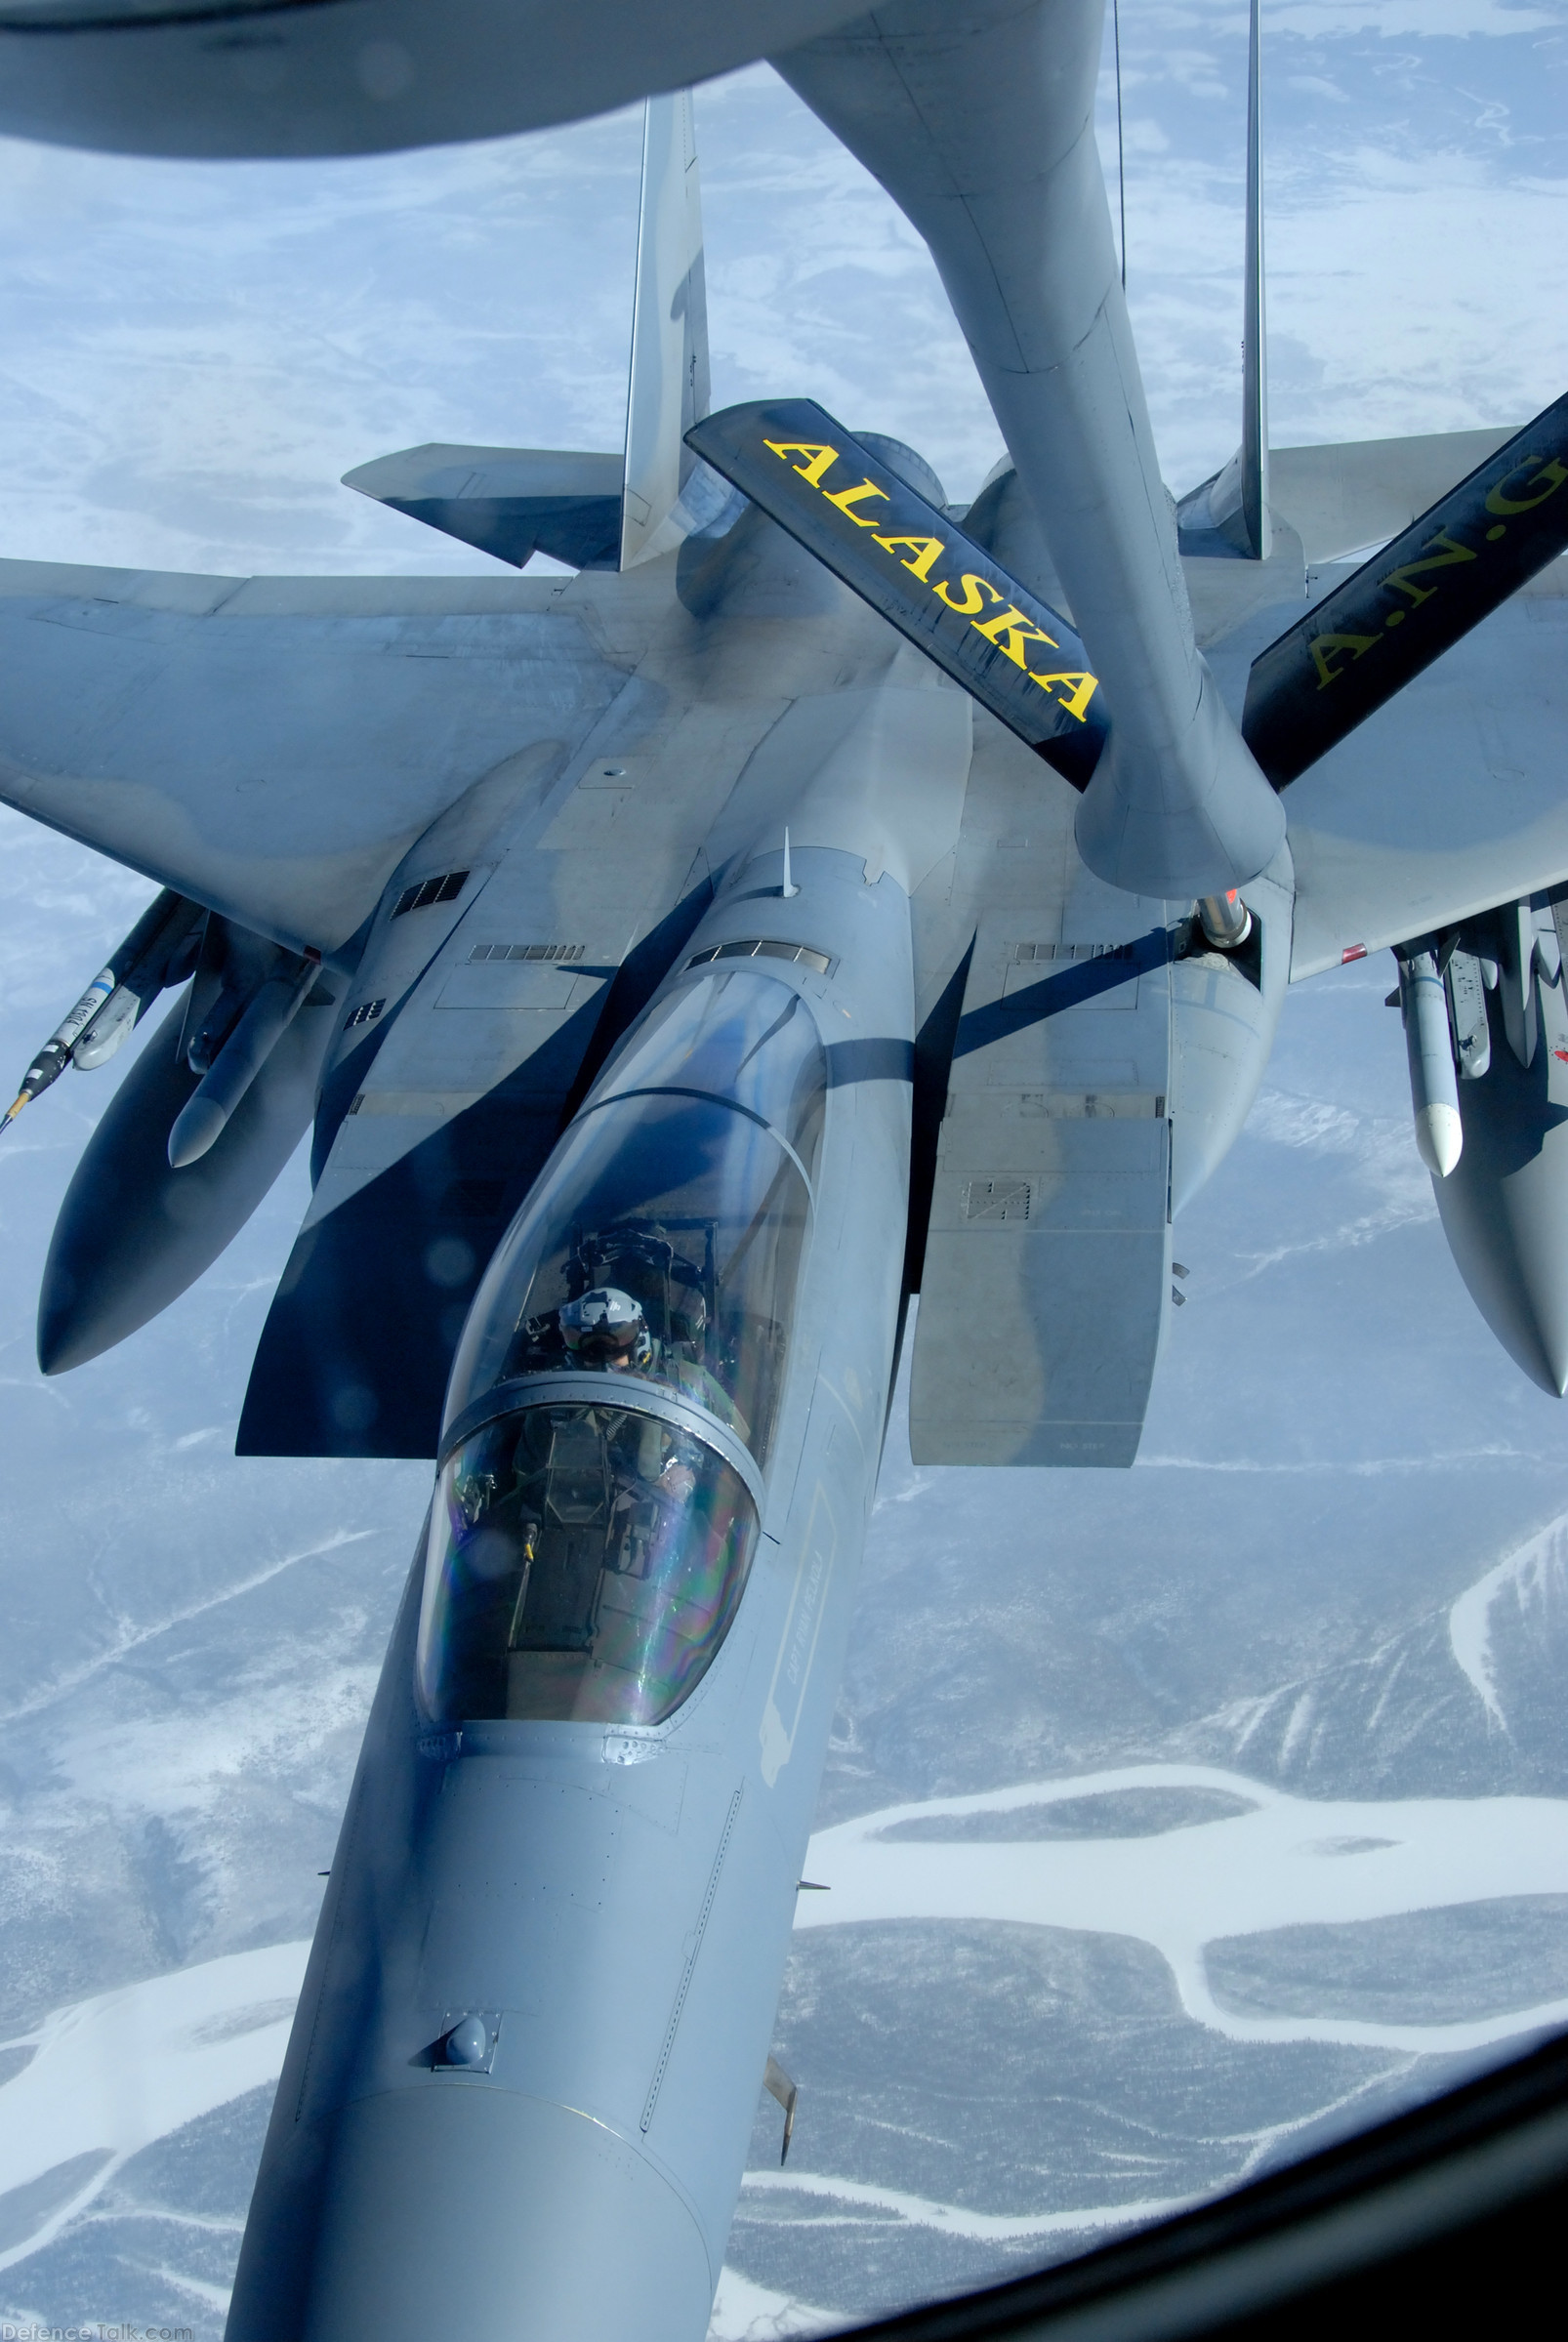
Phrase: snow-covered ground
(102, 2080)
(1287, 1862)
(1176, 1820)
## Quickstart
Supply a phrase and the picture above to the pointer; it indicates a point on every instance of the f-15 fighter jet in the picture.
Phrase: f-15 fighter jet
(825, 894)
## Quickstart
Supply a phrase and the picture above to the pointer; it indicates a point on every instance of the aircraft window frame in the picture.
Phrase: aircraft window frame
(608, 1610)
(708, 1097)
(584, 1384)
(696, 1204)
(645, 1052)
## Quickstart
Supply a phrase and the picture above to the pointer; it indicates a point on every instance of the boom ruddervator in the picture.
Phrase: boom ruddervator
(594, 1527)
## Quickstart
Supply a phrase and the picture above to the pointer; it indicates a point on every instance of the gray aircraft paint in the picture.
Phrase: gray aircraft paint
(629, 2051)
(359, 76)
(1504, 1203)
(132, 1233)
(1230, 513)
(512, 502)
(668, 389)
(518, 815)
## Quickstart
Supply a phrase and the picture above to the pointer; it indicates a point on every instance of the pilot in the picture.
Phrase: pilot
(607, 1329)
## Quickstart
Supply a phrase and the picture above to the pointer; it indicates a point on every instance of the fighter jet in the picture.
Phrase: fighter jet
(824, 894)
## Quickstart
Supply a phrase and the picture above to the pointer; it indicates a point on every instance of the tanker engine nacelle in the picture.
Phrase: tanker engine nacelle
(1486, 1031)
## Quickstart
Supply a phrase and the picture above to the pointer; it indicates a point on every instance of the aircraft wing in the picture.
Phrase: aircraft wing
(461, 1046)
(1446, 802)
(273, 746)
(1410, 708)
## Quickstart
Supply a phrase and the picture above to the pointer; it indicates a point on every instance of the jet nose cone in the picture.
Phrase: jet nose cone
(458, 2208)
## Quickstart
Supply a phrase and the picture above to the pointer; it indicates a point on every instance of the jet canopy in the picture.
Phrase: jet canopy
(685, 1185)
(584, 1564)
(593, 1532)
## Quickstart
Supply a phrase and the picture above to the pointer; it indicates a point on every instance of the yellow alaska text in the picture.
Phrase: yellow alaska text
(987, 608)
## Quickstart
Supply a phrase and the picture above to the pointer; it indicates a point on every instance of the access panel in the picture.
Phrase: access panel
(1048, 1254)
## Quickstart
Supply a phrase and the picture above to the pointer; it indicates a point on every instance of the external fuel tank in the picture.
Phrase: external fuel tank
(1505, 1202)
(134, 1231)
(536, 2022)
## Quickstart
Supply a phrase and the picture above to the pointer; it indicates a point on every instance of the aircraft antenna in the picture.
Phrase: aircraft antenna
(1120, 162)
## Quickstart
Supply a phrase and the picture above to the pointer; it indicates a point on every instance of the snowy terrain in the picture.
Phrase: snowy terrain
(1176, 1821)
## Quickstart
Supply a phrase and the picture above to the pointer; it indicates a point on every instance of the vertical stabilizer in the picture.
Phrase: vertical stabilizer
(1227, 516)
(1255, 361)
(668, 387)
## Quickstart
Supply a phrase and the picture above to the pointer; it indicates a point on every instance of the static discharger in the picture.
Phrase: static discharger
(141, 969)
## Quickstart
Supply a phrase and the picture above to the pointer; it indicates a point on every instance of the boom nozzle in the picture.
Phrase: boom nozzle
(1225, 921)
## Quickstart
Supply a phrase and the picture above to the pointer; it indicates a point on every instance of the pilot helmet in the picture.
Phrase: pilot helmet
(605, 1328)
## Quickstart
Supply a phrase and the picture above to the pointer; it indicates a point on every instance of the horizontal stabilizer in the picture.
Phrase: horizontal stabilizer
(1411, 602)
(511, 502)
(1014, 653)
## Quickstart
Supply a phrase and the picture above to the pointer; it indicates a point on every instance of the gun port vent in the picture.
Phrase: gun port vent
(444, 889)
(365, 1014)
(821, 963)
(527, 951)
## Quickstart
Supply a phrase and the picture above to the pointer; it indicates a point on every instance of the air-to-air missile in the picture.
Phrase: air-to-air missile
(229, 1062)
(160, 951)
(1429, 1049)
